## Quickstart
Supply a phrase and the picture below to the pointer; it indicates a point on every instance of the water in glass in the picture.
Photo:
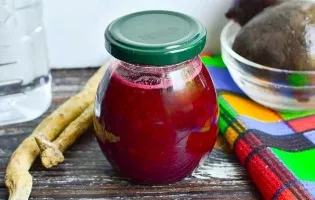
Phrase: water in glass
(25, 81)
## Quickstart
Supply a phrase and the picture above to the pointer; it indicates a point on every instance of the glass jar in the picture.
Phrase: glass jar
(156, 112)
(25, 81)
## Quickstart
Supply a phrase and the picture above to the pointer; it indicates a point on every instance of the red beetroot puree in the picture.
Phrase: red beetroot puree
(154, 125)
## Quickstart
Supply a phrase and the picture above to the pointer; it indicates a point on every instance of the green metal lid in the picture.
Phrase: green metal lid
(155, 38)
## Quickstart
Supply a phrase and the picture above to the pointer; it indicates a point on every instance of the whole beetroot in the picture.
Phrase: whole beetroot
(244, 10)
(282, 36)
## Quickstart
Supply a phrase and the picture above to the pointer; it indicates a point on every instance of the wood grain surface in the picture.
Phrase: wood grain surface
(86, 174)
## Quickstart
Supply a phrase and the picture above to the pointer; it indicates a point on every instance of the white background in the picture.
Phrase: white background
(75, 28)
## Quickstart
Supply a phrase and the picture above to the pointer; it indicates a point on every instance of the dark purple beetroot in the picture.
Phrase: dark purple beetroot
(281, 36)
(244, 10)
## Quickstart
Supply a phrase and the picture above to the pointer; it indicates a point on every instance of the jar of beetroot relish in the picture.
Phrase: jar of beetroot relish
(156, 112)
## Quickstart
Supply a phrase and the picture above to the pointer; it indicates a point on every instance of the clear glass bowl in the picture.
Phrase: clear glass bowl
(278, 89)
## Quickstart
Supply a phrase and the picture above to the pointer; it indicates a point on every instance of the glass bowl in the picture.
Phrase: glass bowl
(278, 89)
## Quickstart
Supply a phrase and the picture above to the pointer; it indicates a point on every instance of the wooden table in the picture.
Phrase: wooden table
(86, 174)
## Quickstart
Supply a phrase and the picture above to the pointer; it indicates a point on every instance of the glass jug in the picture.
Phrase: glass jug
(25, 81)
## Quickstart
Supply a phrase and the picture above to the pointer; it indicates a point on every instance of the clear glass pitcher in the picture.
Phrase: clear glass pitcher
(25, 81)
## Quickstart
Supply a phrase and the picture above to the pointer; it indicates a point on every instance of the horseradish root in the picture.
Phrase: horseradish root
(47, 150)
(51, 152)
(18, 179)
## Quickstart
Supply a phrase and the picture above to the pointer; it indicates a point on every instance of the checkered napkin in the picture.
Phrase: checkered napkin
(277, 149)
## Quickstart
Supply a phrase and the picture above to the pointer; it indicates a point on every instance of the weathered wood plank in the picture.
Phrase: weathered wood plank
(86, 174)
